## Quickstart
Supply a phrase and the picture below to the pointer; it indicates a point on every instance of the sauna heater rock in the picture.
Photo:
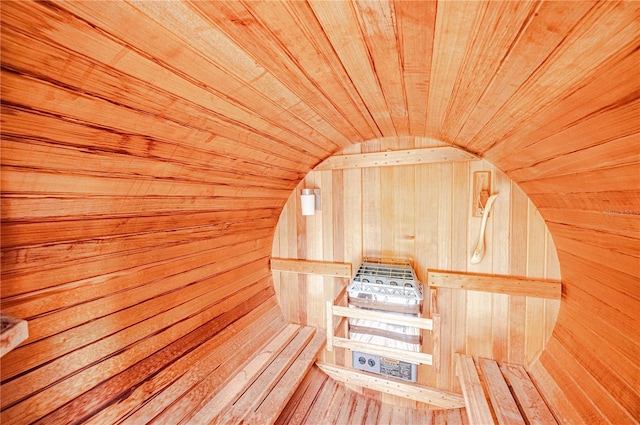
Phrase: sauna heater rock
(388, 286)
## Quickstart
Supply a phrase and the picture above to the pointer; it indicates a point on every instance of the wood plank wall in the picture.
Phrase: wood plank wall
(124, 229)
(423, 213)
(152, 144)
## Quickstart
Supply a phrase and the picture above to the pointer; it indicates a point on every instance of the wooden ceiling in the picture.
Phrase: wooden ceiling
(146, 109)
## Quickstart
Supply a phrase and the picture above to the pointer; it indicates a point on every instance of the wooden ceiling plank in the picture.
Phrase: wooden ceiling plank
(603, 256)
(282, 43)
(186, 103)
(394, 158)
(83, 136)
(500, 24)
(313, 29)
(543, 30)
(174, 53)
(340, 24)
(622, 244)
(453, 33)
(24, 154)
(416, 23)
(54, 183)
(620, 178)
(377, 21)
(614, 122)
(65, 253)
(40, 207)
(619, 223)
(608, 202)
(63, 102)
(609, 154)
(195, 30)
(39, 232)
(578, 60)
(122, 56)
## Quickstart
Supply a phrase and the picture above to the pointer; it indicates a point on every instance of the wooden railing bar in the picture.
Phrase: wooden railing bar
(322, 268)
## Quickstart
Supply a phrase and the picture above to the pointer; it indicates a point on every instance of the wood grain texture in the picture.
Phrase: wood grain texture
(436, 232)
(320, 399)
(147, 145)
(498, 284)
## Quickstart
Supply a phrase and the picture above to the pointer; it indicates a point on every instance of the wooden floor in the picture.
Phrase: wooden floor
(321, 400)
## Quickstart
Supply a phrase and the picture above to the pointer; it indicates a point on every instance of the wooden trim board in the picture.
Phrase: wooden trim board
(323, 268)
(478, 408)
(396, 157)
(499, 284)
(395, 353)
(12, 332)
(432, 396)
(395, 319)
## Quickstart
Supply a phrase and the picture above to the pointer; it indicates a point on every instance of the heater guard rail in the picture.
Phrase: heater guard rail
(405, 355)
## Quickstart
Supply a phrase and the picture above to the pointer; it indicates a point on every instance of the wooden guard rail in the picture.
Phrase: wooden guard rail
(408, 356)
(503, 395)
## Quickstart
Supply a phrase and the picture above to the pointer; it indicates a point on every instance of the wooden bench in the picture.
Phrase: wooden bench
(261, 389)
(242, 366)
(500, 394)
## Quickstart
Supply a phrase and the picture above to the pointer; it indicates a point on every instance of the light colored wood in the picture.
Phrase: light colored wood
(421, 222)
(396, 319)
(311, 267)
(395, 157)
(13, 331)
(534, 407)
(233, 389)
(509, 285)
(395, 353)
(436, 335)
(475, 400)
(504, 405)
(147, 144)
(432, 396)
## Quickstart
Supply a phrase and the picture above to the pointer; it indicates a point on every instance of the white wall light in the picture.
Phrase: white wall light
(310, 201)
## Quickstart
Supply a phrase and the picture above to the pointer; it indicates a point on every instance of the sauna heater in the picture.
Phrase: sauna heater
(388, 286)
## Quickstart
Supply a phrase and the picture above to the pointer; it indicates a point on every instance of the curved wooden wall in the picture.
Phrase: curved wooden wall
(423, 213)
(148, 148)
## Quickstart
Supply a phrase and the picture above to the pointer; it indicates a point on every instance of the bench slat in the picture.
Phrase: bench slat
(245, 377)
(478, 408)
(504, 405)
(277, 399)
(534, 407)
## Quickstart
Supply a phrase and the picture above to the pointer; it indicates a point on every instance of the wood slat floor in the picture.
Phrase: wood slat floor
(321, 400)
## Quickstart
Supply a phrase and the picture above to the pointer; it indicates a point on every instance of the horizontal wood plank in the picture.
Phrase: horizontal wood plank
(380, 316)
(395, 353)
(499, 284)
(504, 405)
(396, 157)
(12, 332)
(323, 268)
(478, 408)
(432, 396)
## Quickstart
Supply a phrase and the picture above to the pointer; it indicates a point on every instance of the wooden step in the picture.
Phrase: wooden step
(501, 394)
(261, 389)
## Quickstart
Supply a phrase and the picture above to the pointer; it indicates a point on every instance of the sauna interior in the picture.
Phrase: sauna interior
(156, 264)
